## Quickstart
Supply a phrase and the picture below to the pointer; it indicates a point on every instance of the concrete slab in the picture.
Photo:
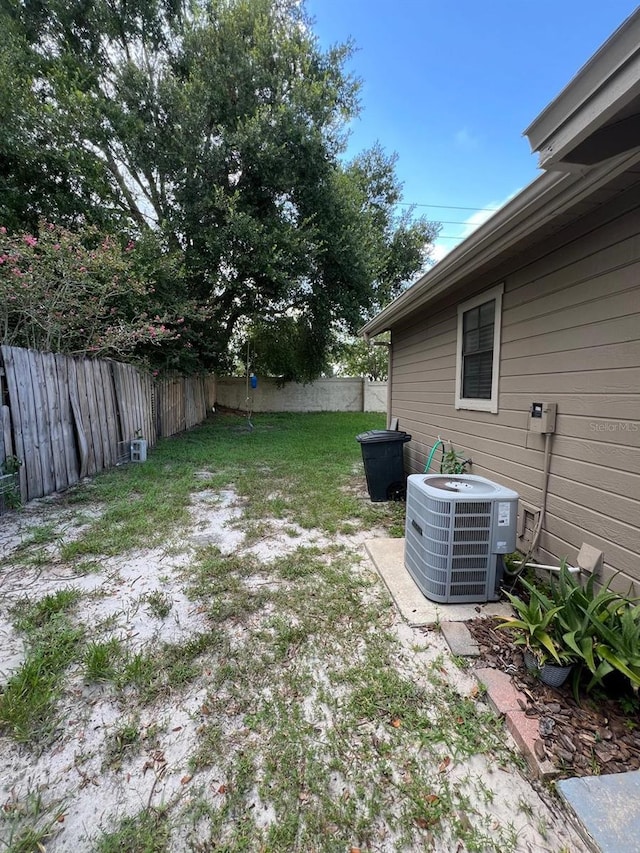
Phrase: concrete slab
(388, 558)
(607, 808)
(459, 639)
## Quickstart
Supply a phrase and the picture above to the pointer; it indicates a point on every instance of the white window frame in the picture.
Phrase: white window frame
(471, 402)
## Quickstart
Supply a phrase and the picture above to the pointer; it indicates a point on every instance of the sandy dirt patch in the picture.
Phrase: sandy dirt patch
(86, 778)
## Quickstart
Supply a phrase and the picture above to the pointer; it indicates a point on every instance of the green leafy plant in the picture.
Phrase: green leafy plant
(101, 660)
(535, 625)
(582, 608)
(122, 741)
(11, 465)
(591, 626)
(10, 497)
(630, 705)
(27, 822)
(159, 603)
(76, 292)
(453, 461)
(28, 699)
(601, 627)
(617, 646)
(146, 832)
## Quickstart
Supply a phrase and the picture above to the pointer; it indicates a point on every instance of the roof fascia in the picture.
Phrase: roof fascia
(547, 197)
(602, 87)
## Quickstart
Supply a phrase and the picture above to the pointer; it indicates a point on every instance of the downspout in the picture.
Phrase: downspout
(388, 345)
(389, 381)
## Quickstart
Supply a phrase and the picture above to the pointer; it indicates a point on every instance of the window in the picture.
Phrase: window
(478, 355)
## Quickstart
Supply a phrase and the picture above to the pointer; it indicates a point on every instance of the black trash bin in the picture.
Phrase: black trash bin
(384, 463)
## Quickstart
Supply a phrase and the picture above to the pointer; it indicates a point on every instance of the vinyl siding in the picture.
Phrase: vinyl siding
(570, 335)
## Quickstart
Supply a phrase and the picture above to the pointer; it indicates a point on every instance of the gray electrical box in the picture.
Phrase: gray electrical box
(542, 417)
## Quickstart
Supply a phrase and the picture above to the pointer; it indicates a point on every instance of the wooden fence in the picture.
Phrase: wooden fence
(68, 418)
(182, 402)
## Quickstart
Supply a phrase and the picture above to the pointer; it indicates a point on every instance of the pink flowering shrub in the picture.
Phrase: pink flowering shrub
(79, 293)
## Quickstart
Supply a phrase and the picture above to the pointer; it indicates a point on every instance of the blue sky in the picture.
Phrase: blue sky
(450, 86)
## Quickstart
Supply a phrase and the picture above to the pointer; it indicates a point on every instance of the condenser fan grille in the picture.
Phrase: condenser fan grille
(437, 534)
(468, 549)
(464, 584)
(442, 507)
(472, 508)
(471, 535)
(456, 547)
(438, 549)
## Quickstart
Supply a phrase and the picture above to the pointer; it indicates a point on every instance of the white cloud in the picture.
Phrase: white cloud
(442, 248)
(465, 140)
(439, 251)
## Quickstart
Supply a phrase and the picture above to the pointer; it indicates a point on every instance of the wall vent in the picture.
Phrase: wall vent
(527, 522)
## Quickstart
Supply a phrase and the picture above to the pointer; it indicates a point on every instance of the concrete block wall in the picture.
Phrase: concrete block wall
(323, 395)
(375, 396)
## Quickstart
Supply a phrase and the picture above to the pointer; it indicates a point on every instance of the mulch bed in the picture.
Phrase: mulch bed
(595, 737)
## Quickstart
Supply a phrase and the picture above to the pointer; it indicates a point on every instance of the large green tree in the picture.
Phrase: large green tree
(357, 357)
(41, 175)
(218, 128)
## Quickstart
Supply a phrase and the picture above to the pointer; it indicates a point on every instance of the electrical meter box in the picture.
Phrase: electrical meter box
(542, 417)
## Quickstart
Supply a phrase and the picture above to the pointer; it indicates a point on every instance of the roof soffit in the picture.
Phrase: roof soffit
(598, 96)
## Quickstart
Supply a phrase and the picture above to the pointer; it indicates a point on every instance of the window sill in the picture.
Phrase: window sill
(478, 405)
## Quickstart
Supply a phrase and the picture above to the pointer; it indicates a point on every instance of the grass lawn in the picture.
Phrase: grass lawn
(204, 661)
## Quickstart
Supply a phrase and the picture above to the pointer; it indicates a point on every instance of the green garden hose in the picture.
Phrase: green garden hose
(432, 454)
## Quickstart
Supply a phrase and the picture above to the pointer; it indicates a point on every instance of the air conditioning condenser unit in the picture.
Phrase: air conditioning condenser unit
(457, 528)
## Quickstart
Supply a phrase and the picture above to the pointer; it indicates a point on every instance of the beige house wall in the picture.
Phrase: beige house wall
(570, 336)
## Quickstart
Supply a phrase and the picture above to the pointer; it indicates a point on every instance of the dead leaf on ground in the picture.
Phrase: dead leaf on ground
(423, 823)
(465, 821)
(396, 723)
(186, 779)
(446, 761)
